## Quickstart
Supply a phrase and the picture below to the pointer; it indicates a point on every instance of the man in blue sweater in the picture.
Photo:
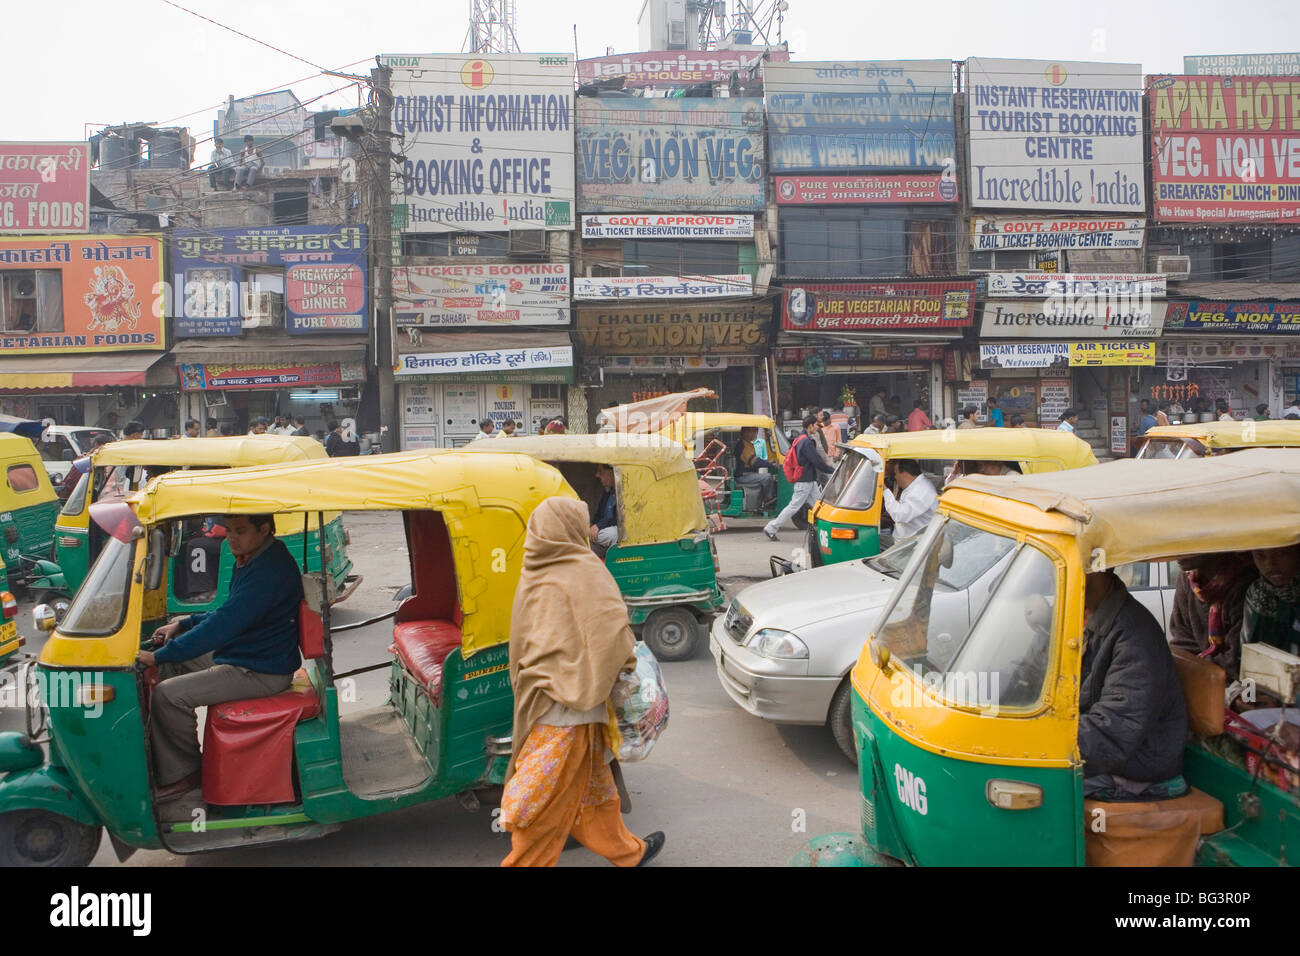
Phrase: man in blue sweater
(248, 647)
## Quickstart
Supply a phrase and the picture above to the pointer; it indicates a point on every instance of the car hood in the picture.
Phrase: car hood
(795, 602)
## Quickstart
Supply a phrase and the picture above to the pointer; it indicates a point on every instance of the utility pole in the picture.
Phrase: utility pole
(382, 257)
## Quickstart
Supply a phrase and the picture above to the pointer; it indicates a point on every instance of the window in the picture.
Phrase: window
(886, 241)
(289, 209)
(22, 478)
(543, 392)
(1244, 260)
(56, 449)
(100, 604)
(264, 298)
(681, 257)
(31, 300)
(853, 486)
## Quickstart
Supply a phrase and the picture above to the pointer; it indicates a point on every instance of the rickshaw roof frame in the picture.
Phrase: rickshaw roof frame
(1028, 445)
(223, 452)
(1219, 435)
(695, 421)
(1115, 518)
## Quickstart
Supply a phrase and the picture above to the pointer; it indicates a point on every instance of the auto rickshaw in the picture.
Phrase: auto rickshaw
(846, 519)
(28, 508)
(968, 737)
(10, 640)
(665, 562)
(201, 578)
(290, 766)
(1215, 438)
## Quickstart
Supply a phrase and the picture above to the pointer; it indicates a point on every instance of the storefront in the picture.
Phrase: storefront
(82, 330)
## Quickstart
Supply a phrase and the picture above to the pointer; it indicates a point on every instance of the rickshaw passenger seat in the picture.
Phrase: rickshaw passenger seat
(1150, 833)
(423, 646)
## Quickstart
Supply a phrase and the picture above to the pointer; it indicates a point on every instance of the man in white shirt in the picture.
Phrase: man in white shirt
(1292, 412)
(915, 503)
(486, 429)
(250, 164)
(1069, 418)
(877, 426)
(223, 166)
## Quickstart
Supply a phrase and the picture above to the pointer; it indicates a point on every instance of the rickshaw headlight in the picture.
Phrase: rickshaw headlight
(777, 644)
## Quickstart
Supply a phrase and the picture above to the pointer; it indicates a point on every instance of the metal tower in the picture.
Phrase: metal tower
(761, 19)
(491, 27)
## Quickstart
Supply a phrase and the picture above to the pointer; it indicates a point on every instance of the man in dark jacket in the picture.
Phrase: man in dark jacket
(810, 462)
(248, 647)
(1132, 717)
(1209, 605)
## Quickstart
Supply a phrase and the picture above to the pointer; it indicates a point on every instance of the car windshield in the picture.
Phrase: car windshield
(994, 656)
(974, 553)
(100, 603)
(82, 438)
(853, 485)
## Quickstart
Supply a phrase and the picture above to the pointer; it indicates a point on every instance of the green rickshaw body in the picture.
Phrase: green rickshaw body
(29, 506)
(672, 573)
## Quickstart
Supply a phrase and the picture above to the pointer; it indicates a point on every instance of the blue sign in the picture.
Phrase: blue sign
(1247, 318)
(306, 279)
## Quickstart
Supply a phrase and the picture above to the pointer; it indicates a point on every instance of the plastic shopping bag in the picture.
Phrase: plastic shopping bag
(640, 703)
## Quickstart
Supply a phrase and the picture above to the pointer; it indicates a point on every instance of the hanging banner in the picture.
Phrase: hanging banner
(1109, 353)
(1244, 318)
(44, 187)
(1225, 149)
(1093, 317)
(669, 226)
(692, 153)
(865, 190)
(488, 141)
(482, 294)
(881, 114)
(721, 328)
(999, 233)
(875, 306)
(1244, 64)
(1026, 284)
(1055, 135)
(196, 377)
(95, 293)
(1026, 355)
(222, 276)
(676, 67)
(663, 287)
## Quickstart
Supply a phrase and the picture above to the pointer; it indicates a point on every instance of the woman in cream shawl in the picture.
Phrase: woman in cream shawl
(569, 639)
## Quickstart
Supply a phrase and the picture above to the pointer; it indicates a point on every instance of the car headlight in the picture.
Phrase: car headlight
(776, 644)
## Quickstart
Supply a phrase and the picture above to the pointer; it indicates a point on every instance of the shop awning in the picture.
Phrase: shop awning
(53, 372)
(270, 348)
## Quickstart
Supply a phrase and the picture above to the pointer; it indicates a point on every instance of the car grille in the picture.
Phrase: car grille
(737, 623)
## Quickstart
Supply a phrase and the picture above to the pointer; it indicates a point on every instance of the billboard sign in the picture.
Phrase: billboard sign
(882, 114)
(1083, 233)
(482, 294)
(1238, 318)
(675, 67)
(717, 328)
(668, 226)
(498, 362)
(693, 153)
(663, 287)
(488, 141)
(865, 190)
(1025, 284)
(1055, 135)
(44, 187)
(1100, 317)
(878, 306)
(1243, 64)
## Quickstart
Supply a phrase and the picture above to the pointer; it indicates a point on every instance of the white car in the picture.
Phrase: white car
(784, 647)
(61, 445)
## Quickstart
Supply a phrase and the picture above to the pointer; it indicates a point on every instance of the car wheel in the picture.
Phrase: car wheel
(840, 720)
(41, 838)
(671, 633)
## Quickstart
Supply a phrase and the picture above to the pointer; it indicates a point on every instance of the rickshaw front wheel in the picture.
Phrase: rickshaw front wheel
(41, 838)
(671, 633)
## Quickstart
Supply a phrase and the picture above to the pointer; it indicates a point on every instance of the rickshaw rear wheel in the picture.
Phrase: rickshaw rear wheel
(800, 519)
(814, 551)
(840, 720)
(41, 838)
(671, 633)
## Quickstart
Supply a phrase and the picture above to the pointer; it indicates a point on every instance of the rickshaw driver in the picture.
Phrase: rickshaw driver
(1132, 715)
(604, 529)
(748, 464)
(246, 648)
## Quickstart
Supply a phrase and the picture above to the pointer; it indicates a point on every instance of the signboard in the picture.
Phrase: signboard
(419, 405)
(663, 287)
(488, 141)
(1244, 64)
(270, 375)
(495, 361)
(81, 294)
(324, 271)
(977, 394)
(872, 353)
(460, 409)
(697, 153)
(505, 402)
(1108, 353)
(720, 328)
(885, 114)
(44, 187)
(1225, 150)
(670, 226)
(865, 190)
(1053, 399)
(1245, 318)
(1119, 434)
(999, 233)
(482, 294)
(1023, 284)
(1055, 135)
(675, 67)
(419, 436)
(873, 306)
(1026, 355)
(1101, 317)
(278, 114)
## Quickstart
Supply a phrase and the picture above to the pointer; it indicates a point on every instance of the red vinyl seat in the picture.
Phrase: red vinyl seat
(422, 647)
(248, 744)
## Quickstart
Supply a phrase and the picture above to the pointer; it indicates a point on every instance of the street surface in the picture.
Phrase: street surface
(727, 788)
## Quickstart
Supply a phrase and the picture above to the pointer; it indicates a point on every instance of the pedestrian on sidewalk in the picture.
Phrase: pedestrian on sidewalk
(569, 640)
(808, 462)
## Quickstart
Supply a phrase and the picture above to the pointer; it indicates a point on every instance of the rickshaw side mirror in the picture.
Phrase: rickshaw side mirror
(155, 559)
(44, 617)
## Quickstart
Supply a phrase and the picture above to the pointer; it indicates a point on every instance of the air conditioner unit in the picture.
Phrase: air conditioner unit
(527, 242)
(262, 309)
(1174, 267)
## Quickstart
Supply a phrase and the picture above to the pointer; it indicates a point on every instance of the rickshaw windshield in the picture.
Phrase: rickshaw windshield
(100, 604)
(994, 657)
(1165, 448)
(974, 555)
(853, 485)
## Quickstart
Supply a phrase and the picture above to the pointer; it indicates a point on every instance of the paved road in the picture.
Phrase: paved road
(726, 787)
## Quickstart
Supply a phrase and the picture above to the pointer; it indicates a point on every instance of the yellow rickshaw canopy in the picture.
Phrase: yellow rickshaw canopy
(1269, 434)
(1036, 449)
(659, 492)
(225, 452)
(1152, 509)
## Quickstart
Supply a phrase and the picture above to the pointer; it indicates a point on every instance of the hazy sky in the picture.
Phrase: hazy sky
(72, 66)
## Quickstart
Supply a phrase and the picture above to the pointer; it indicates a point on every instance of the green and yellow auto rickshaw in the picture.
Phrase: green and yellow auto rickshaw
(665, 563)
(846, 519)
(290, 766)
(10, 640)
(28, 508)
(201, 576)
(968, 736)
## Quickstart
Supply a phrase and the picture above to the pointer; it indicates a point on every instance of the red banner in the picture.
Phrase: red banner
(877, 306)
(44, 187)
(1225, 148)
(864, 190)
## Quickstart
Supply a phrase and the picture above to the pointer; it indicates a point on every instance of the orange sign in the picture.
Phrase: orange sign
(81, 294)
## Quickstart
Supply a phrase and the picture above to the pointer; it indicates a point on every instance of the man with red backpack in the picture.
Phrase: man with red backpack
(802, 462)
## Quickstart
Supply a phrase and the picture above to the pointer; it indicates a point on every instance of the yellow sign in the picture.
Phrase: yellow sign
(1112, 353)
